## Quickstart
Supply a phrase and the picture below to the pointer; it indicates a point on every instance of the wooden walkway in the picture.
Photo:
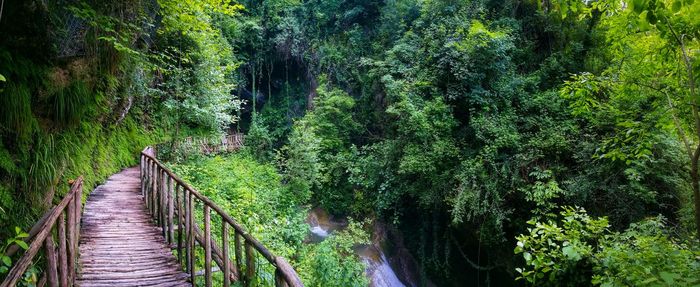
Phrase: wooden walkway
(119, 244)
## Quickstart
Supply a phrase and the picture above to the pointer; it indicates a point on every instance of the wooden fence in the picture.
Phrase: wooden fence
(175, 205)
(60, 252)
(227, 143)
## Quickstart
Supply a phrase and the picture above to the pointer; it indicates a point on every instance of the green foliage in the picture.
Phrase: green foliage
(460, 113)
(333, 262)
(299, 161)
(70, 103)
(252, 193)
(18, 119)
(449, 119)
(2, 81)
(579, 250)
(318, 151)
(646, 255)
(201, 74)
(259, 140)
(17, 239)
(555, 251)
(114, 31)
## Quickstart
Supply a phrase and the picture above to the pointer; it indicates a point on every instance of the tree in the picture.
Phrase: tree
(654, 75)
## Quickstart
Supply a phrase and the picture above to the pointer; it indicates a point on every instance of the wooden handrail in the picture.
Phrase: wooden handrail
(171, 203)
(62, 253)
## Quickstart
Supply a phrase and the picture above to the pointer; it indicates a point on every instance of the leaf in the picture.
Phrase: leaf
(571, 253)
(7, 260)
(2, 78)
(638, 6)
(669, 278)
(676, 6)
(527, 256)
(642, 22)
(22, 244)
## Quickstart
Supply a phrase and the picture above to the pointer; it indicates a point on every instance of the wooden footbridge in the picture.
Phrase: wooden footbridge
(145, 227)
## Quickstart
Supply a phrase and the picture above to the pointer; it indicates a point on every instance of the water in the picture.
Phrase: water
(319, 231)
(378, 269)
(321, 226)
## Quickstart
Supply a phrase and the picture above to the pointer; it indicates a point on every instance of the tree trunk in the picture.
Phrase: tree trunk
(313, 85)
(255, 96)
(696, 188)
(269, 82)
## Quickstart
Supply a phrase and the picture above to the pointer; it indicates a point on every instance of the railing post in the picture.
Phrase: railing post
(279, 278)
(187, 229)
(224, 251)
(250, 264)
(207, 245)
(147, 188)
(141, 174)
(78, 197)
(50, 251)
(171, 210)
(178, 202)
(191, 239)
(144, 179)
(163, 203)
(237, 250)
(71, 238)
(154, 182)
(62, 252)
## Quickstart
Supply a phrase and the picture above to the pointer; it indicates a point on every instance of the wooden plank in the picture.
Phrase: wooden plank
(120, 245)
(62, 250)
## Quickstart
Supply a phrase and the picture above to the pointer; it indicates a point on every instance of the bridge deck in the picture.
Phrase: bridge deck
(119, 244)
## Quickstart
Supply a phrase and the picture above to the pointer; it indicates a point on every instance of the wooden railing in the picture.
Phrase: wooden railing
(227, 143)
(60, 252)
(175, 207)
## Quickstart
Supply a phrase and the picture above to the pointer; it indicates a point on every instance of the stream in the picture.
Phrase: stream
(378, 270)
